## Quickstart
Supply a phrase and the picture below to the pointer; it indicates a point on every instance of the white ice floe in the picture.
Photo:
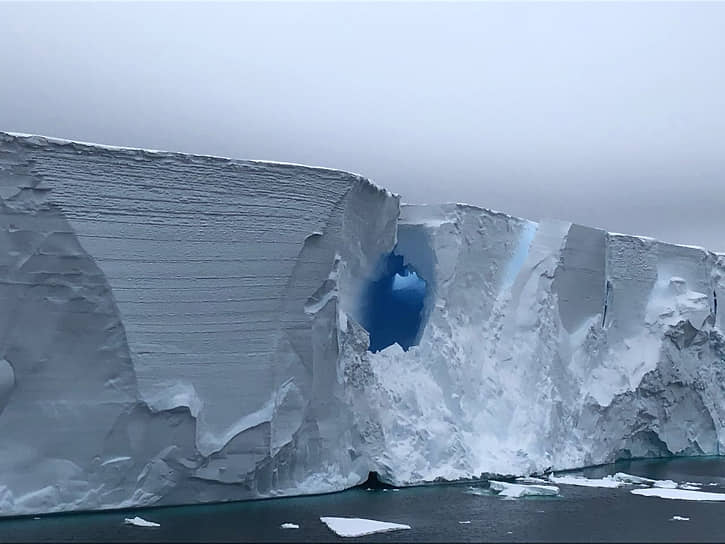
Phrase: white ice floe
(632, 479)
(689, 487)
(465, 522)
(359, 527)
(531, 480)
(679, 518)
(681, 494)
(665, 484)
(519, 490)
(140, 522)
(289, 526)
(607, 481)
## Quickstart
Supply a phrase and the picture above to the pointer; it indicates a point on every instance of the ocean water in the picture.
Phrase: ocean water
(579, 514)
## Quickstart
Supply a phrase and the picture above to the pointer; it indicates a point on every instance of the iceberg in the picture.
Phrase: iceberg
(289, 526)
(523, 490)
(180, 329)
(140, 522)
(351, 527)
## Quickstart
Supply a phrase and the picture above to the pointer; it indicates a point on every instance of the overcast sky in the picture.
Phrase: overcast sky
(607, 114)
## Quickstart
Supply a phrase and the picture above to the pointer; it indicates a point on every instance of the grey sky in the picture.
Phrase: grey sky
(607, 114)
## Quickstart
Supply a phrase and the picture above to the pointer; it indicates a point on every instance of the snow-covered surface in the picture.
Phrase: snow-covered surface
(680, 494)
(180, 328)
(289, 526)
(506, 489)
(140, 522)
(567, 479)
(351, 527)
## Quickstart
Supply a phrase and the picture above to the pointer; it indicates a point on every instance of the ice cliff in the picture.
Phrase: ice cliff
(179, 329)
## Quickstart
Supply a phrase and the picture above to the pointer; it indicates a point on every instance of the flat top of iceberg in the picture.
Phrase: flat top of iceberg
(39, 139)
(359, 527)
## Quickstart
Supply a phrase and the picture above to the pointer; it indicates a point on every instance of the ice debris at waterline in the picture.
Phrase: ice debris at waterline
(140, 522)
(351, 527)
(182, 329)
(522, 490)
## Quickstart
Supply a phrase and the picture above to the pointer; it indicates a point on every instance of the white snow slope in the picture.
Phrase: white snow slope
(180, 329)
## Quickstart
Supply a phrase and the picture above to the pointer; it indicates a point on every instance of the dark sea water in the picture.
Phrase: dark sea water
(580, 514)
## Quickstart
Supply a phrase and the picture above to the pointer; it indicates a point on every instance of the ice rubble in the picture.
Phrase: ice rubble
(180, 328)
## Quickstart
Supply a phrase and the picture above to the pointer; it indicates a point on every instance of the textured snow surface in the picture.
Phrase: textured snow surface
(179, 329)
(360, 527)
(681, 494)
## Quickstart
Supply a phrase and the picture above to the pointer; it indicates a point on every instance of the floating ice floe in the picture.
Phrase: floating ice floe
(519, 490)
(289, 526)
(679, 518)
(607, 481)
(140, 522)
(465, 522)
(359, 527)
(665, 484)
(532, 480)
(689, 487)
(632, 479)
(681, 494)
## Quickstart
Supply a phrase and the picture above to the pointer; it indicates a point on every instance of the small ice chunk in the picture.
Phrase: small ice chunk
(679, 518)
(140, 522)
(690, 487)
(681, 494)
(289, 526)
(465, 522)
(632, 479)
(607, 481)
(665, 484)
(520, 490)
(360, 527)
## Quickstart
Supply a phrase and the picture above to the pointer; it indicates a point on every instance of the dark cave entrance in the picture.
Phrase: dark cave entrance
(393, 305)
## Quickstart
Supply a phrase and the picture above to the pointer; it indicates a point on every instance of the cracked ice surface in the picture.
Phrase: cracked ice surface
(180, 329)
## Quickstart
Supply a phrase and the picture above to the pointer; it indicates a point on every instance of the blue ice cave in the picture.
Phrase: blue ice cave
(393, 305)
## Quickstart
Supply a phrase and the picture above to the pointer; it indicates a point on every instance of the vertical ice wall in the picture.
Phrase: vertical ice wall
(169, 324)
(180, 329)
(547, 345)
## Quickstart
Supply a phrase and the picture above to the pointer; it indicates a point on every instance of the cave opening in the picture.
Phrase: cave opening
(393, 305)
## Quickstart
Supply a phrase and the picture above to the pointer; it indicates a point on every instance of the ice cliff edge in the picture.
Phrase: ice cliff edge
(178, 329)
